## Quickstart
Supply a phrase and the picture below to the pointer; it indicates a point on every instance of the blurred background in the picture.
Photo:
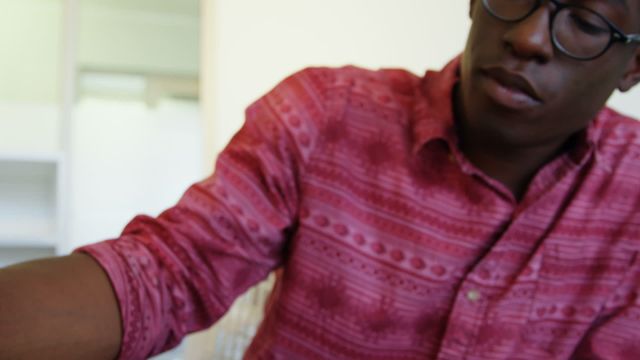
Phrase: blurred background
(111, 108)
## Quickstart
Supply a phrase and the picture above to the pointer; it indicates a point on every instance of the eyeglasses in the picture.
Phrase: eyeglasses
(576, 31)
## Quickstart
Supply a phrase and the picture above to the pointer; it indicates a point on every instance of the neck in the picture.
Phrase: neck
(514, 166)
(510, 162)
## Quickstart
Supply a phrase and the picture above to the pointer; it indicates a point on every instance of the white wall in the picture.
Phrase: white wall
(129, 159)
(252, 44)
(30, 39)
(627, 103)
(30, 33)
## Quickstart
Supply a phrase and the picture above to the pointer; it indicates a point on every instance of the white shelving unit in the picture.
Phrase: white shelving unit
(33, 145)
(30, 186)
(30, 205)
(69, 42)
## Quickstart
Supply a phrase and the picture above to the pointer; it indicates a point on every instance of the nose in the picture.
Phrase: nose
(530, 38)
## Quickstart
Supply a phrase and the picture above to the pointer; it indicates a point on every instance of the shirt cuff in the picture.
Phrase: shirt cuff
(115, 266)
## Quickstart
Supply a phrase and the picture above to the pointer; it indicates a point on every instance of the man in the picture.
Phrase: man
(485, 211)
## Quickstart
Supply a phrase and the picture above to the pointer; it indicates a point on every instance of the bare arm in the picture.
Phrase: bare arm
(58, 308)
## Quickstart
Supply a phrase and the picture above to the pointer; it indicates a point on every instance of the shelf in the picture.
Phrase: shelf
(14, 255)
(27, 242)
(29, 193)
(28, 232)
(25, 157)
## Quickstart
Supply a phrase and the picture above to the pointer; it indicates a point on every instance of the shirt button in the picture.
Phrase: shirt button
(473, 295)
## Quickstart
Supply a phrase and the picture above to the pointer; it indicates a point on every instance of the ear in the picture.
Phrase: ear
(632, 76)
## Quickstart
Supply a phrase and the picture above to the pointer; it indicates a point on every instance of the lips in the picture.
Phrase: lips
(510, 89)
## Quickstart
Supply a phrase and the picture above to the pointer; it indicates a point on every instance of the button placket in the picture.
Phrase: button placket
(473, 295)
(470, 303)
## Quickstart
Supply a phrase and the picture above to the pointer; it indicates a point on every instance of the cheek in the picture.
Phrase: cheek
(591, 88)
(484, 36)
(579, 95)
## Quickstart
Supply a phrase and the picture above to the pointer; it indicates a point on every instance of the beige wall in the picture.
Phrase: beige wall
(249, 45)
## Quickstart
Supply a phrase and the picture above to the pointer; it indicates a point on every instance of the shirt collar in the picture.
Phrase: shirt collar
(587, 140)
(433, 116)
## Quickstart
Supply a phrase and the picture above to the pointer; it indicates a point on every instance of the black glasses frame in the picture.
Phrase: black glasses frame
(617, 35)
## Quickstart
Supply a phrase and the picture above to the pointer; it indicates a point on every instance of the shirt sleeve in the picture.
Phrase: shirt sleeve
(179, 272)
(616, 335)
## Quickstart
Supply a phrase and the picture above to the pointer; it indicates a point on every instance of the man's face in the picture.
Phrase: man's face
(520, 90)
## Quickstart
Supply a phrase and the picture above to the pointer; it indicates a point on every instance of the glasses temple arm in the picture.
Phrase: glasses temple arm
(632, 38)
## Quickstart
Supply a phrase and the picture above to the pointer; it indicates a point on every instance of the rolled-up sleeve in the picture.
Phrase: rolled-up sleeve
(179, 272)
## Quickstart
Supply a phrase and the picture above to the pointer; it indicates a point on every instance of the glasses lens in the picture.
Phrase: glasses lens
(510, 10)
(581, 33)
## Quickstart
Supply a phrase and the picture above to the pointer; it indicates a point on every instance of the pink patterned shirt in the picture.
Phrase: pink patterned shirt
(387, 242)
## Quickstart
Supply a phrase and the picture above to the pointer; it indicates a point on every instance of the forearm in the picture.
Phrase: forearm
(62, 308)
